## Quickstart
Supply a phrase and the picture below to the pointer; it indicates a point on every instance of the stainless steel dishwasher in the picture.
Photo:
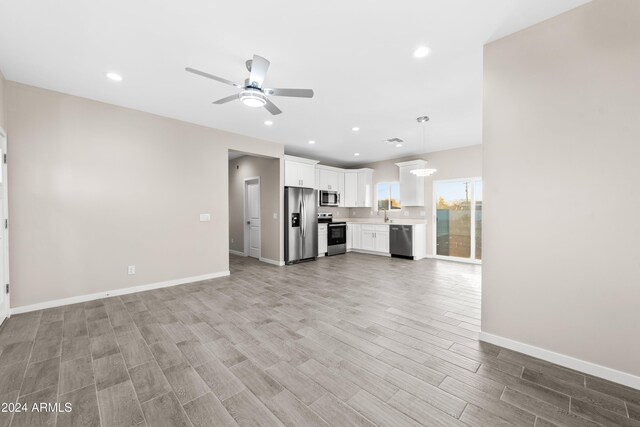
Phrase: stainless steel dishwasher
(401, 240)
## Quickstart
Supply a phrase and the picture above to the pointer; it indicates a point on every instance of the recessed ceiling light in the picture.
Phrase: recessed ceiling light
(355, 128)
(268, 122)
(356, 154)
(398, 145)
(312, 142)
(115, 77)
(421, 52)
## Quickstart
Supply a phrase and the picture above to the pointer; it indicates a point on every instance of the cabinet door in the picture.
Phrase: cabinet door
(382, 241)
(364, 189)
(408, 184)
(323, 179)
(291, 174)
(350, 189)
(322, 238)
(356, 236)
(368, 240)
(341, 194)
(328, 180)
(411, 188)
(307, 175)
(333, 180)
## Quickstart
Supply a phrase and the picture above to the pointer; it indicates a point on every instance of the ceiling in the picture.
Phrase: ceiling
(357, 55)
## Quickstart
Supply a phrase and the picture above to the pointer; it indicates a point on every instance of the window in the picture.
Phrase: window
(388, 195)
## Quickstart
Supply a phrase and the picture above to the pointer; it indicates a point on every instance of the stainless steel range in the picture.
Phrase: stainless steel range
(336, 234)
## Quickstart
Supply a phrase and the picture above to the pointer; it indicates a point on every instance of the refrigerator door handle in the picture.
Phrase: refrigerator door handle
(302, 217)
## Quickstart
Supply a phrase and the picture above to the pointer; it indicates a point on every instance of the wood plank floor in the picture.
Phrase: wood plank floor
(353, 340)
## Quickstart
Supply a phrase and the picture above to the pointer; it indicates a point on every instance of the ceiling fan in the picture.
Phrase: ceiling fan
(252, 94)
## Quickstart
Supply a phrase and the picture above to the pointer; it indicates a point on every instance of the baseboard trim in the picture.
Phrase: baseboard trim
(272, 262)
(363, 251)
(115, 292)
(231, 251)
(596, 370)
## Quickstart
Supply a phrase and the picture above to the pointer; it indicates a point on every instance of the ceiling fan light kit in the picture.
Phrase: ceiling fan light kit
(252, 94)
(253, 98)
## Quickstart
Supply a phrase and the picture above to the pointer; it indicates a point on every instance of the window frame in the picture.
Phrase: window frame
(390, 184)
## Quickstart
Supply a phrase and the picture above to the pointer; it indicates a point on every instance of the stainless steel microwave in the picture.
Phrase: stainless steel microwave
(329, 198)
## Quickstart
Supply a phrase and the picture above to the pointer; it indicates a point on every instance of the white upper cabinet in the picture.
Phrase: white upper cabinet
(350, 189)
(411, 186)
(364, 192)
(341, 190)
(358, 187)
(329, 179)
(299, 172)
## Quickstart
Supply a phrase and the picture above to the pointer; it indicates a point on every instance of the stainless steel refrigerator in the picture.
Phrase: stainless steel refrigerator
(301, 224)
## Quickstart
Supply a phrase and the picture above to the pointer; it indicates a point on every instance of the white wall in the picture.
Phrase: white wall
(95, 188)
(2, 114)
(561, 267)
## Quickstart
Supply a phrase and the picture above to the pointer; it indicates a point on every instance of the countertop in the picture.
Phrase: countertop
(380, 221)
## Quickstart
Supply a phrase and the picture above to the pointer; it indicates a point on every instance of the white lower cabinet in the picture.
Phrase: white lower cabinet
(382, 239)
(322, 239)
(356, 235)
(371, 238)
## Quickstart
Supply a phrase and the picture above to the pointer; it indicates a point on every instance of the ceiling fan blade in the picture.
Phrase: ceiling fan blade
(271, 107)
(298, 93)
(227, 99)
(259, 67)
(211, 76)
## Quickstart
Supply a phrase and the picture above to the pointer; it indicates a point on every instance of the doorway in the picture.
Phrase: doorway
(252, 232)
(4, 235)
(458, 219)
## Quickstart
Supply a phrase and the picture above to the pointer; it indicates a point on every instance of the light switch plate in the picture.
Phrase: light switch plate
(205, 217)
(275, 215)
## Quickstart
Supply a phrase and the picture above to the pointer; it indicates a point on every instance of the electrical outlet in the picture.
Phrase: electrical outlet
(423, 213)
(406, 213)
(205, 217)
(275, 215)
(131, 269)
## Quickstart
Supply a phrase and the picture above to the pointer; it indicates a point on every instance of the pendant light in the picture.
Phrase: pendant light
(423, 172)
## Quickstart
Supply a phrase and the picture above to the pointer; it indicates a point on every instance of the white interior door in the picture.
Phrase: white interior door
(253, 218)
(4, 247)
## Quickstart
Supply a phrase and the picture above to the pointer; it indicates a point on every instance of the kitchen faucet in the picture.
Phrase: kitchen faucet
(386, 218)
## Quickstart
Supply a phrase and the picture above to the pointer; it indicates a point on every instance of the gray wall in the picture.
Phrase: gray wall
(95, 187)
(463, 162)
(269, 172)
(2, 109)
(561, 268)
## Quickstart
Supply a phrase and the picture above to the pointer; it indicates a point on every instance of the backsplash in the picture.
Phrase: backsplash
(417, 212)
(337, 212)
